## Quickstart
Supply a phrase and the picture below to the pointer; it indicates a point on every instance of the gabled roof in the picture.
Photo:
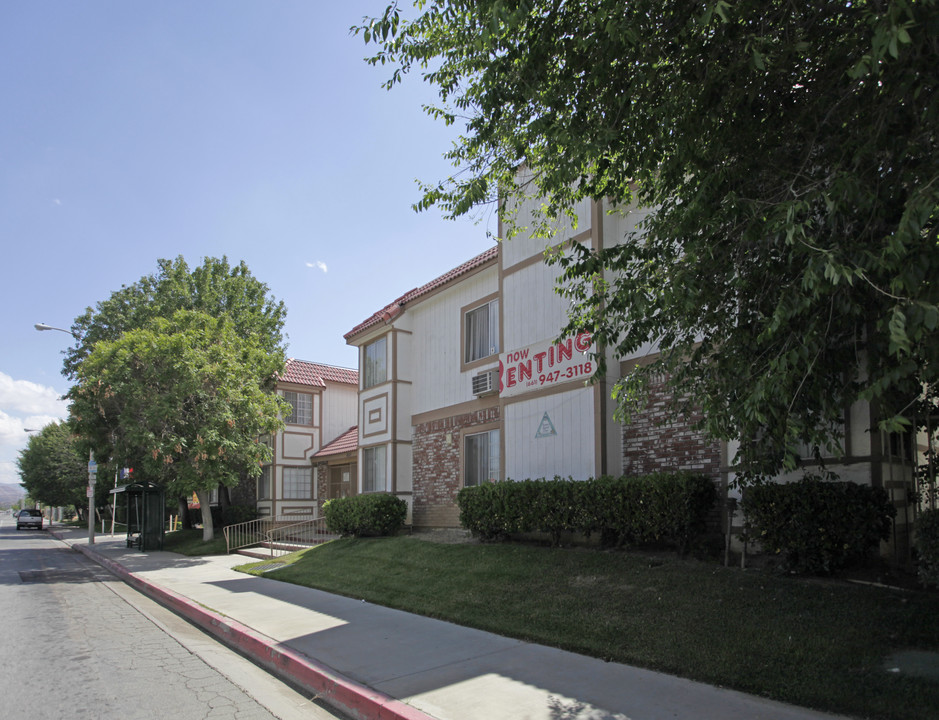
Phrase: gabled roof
(347, 442)
(302, 372)
(392, 310)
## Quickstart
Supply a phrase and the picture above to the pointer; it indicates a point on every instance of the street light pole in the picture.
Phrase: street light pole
(92, 477)
(43, 326)
(92, 465)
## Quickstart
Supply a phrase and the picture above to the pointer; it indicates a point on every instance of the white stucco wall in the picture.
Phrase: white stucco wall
(438, 380)
(568, 452)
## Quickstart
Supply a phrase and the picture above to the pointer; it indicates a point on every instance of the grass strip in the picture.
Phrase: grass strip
(189, 542)
(815, 643)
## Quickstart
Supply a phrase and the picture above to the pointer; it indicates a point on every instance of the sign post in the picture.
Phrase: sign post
(92, 477)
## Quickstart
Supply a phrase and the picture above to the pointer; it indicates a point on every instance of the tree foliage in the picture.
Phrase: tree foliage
(215, 288)
(180, 400)
(52, 467)
(175, 375)
(789, 152)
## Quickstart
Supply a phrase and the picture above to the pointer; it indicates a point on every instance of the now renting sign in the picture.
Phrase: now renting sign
(545, 364)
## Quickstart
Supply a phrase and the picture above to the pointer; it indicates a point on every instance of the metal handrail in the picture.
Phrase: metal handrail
(246, 533)
(256, 532)
(285, 539)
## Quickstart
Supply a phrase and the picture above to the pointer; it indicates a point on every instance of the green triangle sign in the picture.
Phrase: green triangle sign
(546, 428)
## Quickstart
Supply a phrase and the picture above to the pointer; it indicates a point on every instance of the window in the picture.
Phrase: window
(481, 458)
(298, 483)
(264, 483)
(376, 363)
(302, 404)
(373, 469)
(482, 331)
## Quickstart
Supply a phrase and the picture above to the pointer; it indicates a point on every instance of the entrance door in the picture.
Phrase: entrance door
(341, 481)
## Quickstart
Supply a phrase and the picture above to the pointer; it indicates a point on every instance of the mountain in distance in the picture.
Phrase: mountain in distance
(10, 494)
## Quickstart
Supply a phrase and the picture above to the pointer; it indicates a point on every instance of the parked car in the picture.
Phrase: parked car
(29, 518)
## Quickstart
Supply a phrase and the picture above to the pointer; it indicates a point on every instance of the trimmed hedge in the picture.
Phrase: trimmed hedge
(927, 547)
(626, 510)
(365, 515)
(818, 526)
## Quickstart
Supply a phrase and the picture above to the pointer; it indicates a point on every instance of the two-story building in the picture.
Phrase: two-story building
(323, 399)
(464, 380)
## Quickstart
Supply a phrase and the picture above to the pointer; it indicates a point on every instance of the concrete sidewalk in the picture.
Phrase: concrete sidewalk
(373, 662)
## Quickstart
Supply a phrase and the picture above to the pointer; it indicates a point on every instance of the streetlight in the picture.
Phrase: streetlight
(43, 326)
(92, 465)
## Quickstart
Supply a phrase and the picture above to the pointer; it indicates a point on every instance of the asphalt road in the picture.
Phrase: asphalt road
(75, 642)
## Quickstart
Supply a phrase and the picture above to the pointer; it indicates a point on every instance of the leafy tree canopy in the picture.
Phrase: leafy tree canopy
(789, 152)
(52, 467)
(180, 400)
(215, 287)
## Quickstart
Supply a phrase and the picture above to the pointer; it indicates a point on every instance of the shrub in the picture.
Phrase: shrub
(670, 507)
(365, 515)
(927, 547)
(494, 510)
(235, 514)
(818, 526)
(654, 508)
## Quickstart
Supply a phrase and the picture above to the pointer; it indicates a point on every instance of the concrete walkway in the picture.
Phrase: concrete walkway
(374, 662)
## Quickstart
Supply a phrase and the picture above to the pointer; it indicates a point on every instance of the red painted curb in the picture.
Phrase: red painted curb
(353, 698)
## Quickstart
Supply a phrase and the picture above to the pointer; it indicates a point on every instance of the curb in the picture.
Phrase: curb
(357, 700)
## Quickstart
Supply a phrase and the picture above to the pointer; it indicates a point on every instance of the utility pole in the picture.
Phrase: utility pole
(92, 478)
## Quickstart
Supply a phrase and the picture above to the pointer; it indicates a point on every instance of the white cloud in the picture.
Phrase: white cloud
(23, 396)
(319, 264)
(56, 201)
(9, 474)
(23, 404)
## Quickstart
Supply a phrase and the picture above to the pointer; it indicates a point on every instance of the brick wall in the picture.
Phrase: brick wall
(652, 443)
(321, 478)
(436, 457)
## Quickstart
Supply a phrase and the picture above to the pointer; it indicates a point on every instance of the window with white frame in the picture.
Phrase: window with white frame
(298, 483)
(302, 404)
(374, 476)
(481, 326)
(481, 458)
(376, 362)
(264, 483)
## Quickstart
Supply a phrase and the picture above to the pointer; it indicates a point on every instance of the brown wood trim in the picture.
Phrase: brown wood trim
(311, 436)
(581, 237)
(387, 408)
(555, 389)
(465, 366)
(476, 430)
(454, 410)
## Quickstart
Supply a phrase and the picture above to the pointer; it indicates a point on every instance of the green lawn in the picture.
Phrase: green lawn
(189, 542)
(815, 643)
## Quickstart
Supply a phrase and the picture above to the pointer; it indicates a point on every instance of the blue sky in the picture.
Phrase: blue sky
(133, 131)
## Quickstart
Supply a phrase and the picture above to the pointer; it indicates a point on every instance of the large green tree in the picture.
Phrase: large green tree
(215, 288)
(53, 468)
(181, 397)
(790, 152)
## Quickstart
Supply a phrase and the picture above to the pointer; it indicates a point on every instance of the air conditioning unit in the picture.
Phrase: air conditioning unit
(486, 382)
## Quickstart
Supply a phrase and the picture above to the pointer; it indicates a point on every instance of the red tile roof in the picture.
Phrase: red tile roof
(347, 442)
(302, 372)
(392, 310)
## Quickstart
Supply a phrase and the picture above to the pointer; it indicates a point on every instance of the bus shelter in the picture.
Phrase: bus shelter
(145, 504)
